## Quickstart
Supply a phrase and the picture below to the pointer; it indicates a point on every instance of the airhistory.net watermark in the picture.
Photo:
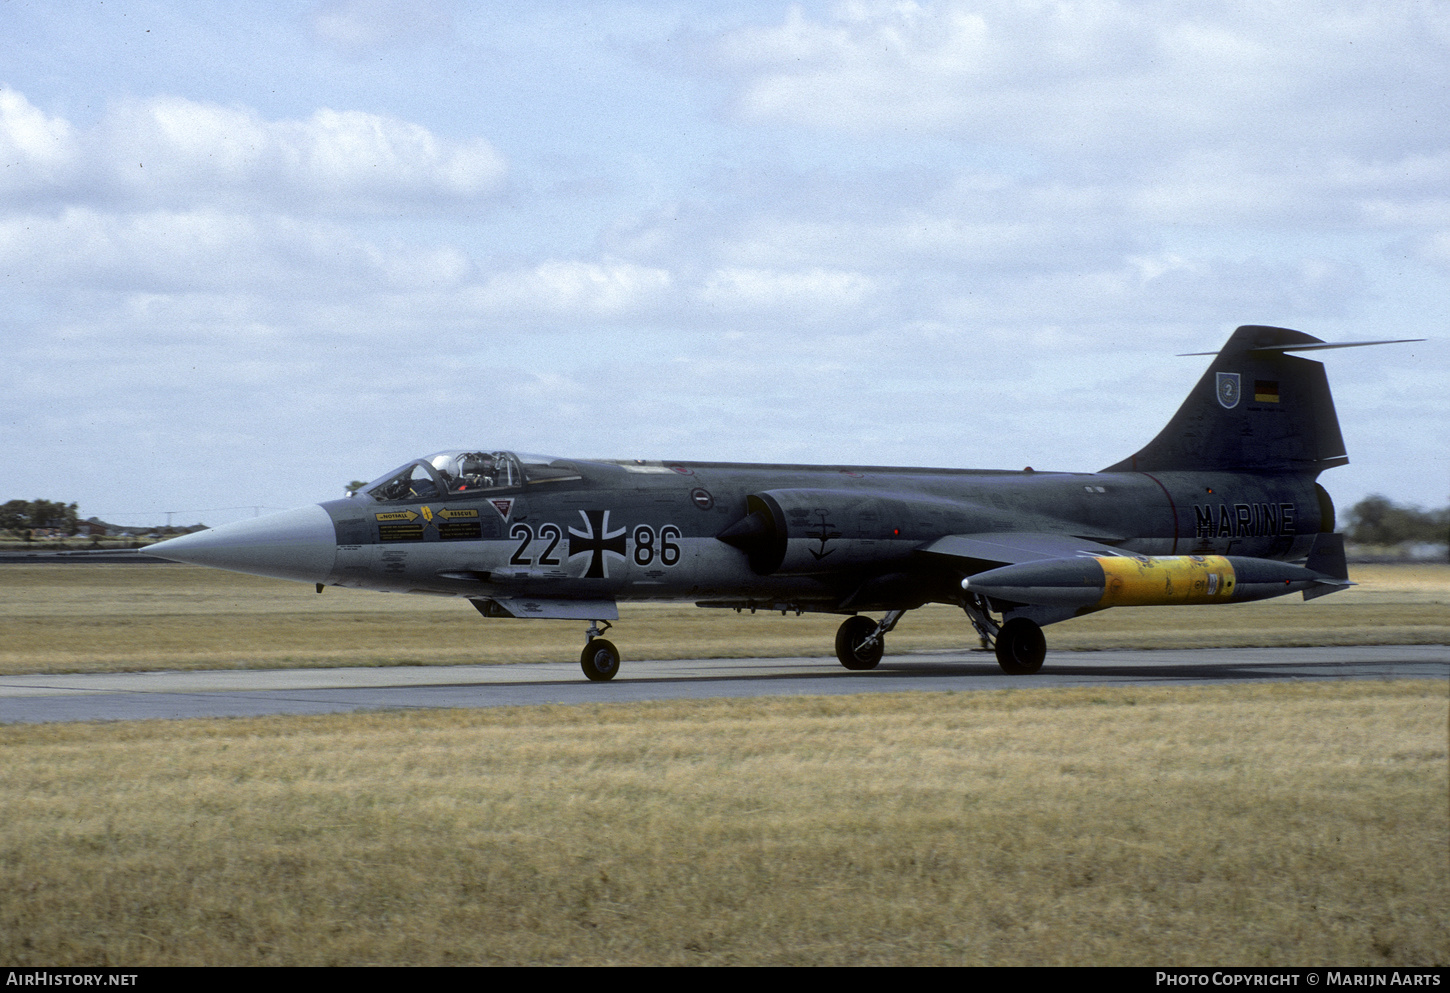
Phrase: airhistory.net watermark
(51, 977)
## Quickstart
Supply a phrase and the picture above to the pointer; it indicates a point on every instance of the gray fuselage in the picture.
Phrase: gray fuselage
(844, 538)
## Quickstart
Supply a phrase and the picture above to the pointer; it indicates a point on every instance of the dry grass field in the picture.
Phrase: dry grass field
(1266, 824)
(1262, 824)
(121, 617)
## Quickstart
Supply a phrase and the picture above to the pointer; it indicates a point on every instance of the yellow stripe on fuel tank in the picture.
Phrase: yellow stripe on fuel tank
(1165, 579)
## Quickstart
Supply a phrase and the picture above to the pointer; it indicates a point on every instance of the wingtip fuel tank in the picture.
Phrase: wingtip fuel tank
(1097, 582)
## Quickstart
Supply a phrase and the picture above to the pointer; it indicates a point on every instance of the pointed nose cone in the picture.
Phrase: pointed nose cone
(295, 544)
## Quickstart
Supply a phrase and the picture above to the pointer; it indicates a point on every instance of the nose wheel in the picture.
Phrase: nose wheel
(600, 659)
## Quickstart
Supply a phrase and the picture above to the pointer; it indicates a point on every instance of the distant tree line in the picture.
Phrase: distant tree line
(1376, 520)
(31, 515)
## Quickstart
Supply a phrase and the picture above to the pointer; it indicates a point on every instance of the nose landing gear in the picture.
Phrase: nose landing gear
(600, 659)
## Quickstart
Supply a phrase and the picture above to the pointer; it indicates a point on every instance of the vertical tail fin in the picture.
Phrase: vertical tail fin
(1256, 409)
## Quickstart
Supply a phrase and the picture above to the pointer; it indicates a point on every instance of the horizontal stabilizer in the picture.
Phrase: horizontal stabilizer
(1323, 588)
(1264, 349)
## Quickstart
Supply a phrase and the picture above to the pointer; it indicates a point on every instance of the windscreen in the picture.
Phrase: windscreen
(466, 472)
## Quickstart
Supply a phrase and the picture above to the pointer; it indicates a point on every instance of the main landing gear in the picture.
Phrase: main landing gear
(1021, 647)
(600, 659)
(860, 641)
(1019, 642)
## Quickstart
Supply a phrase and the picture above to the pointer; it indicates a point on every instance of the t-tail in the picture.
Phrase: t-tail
(1262, 411)
(1256, 409)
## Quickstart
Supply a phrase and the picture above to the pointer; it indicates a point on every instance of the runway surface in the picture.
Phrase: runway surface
(252, 692)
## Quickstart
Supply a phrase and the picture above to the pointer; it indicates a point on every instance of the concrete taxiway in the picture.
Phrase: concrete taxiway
(254, 692)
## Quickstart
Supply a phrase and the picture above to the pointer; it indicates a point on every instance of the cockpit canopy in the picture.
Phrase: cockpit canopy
(465, 473)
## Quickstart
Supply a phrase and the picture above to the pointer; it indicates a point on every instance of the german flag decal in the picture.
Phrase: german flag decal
(1266, 391)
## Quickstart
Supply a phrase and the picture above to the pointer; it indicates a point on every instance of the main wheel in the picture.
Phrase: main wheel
(1020, 647)
(600, 660)
(850, 644)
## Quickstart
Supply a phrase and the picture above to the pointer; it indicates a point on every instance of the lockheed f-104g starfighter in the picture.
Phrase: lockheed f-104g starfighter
(1223, 506)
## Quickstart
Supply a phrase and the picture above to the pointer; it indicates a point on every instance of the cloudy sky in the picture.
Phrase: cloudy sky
(251, 252)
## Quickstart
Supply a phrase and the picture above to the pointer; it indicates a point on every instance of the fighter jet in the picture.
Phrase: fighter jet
(1221, 507)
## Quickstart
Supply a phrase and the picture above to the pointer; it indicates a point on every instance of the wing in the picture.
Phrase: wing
(982, 551)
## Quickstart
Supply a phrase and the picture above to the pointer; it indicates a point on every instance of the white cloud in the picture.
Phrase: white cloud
(172, 152)
(764, 289)
(342, 162)
(35, 150)
(1170, 284)
(972, 236)
(358, 25)
(1103, 78)
(959, 205)
(182, 252)
(570, 287)
(1432, 249)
